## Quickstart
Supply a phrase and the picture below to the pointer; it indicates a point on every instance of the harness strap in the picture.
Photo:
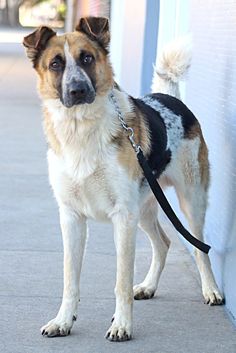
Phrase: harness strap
(163, 202)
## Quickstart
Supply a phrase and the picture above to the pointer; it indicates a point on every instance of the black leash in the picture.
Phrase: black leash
(164, 203)
(155, 187)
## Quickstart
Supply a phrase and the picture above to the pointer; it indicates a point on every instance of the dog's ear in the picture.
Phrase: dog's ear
(37, 41)
(96, 28)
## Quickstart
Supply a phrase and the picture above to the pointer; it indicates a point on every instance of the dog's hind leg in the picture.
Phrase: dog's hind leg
(73, 229)
(193, 202)
(160, 244)
(190, 177)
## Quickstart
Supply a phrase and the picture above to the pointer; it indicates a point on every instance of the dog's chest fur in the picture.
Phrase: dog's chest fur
(86, 174)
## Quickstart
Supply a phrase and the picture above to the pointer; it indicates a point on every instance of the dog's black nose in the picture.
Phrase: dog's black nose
(78, 92)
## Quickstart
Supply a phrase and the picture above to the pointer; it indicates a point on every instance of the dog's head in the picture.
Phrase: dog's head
(73, 67)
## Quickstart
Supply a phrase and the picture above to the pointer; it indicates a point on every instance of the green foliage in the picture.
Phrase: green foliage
(62, 11)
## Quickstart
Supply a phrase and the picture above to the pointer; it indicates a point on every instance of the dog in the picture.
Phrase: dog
(93, 168)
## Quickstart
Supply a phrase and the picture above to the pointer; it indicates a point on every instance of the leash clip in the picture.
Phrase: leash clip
(135, 146)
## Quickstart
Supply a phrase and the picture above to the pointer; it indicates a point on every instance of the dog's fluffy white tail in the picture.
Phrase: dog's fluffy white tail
(172, 65)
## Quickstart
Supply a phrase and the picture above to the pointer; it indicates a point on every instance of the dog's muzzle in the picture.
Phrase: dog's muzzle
(78, 92)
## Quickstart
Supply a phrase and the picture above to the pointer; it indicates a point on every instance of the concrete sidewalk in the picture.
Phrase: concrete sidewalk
(175, 321)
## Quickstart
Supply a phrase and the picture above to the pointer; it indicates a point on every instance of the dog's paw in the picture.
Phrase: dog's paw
(143, 292)
(56, 327)
(118, 333)
(213, 297)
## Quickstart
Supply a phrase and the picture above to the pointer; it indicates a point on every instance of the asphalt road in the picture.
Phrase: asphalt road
(174, 321)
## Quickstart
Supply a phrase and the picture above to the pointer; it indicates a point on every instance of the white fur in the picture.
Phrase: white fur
(125, 224)
(84, 135)
(172, 65)
(73, 229)
(71, 69)
(173, 123)
(160, 244)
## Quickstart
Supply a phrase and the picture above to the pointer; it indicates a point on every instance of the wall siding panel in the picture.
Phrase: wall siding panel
(211, 94)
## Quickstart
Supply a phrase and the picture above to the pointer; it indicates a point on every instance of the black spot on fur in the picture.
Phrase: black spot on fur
(178, 108)
(89, 69)
(159, 156)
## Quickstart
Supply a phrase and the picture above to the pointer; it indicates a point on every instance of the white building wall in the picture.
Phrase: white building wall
(173, 23)
(127, 36)
(210, 92)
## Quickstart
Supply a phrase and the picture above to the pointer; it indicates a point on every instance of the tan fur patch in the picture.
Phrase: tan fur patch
(204, 163)
(202, 154)
(50, 133)
(126, 155)
(48, 80)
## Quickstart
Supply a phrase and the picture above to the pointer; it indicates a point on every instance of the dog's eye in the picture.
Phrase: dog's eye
(87, 59)
(56, 64)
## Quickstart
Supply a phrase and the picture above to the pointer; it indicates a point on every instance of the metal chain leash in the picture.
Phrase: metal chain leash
(127, 128)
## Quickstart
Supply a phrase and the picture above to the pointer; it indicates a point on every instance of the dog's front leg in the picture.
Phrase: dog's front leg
(73, 229)
(125, 225)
